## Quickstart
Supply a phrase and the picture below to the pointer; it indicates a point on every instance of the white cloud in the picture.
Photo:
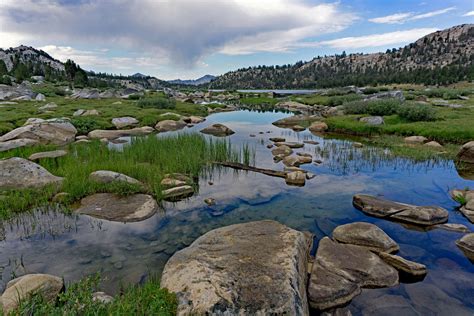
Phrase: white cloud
(184, 31)
(400, 18)
(378, 40)
(470, 13)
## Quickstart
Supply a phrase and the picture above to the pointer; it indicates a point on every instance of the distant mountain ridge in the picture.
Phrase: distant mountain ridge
(441, 57)
(203, 80)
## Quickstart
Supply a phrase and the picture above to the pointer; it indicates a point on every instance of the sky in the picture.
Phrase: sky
(187, 39)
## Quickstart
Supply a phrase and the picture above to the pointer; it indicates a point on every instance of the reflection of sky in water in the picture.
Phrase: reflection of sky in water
(73, 246)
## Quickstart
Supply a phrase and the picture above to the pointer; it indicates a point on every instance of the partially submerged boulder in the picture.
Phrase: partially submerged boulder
(418, 215)
(341, 270)
(112, 207)
(54, 131)
(179, 192)
(290, 144)
(19, 173)
(406, 266)
(256, 268)
(296, 178)
(466, 198)
(217, 130)
(126, 121)
(22, 288)
(296, 161)
(466, 154)
(169, 126)
(365, 234)
(112, 134)
(466, 244)
(318, 127)
(282, 151)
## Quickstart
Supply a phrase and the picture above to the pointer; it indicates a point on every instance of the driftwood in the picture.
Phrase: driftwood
(239, 166)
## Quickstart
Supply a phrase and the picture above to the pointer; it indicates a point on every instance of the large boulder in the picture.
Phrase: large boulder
(365, 234)
(256, 268)
(217, 130)
(466, 154)
(126, 121)
(106, 176)
(341, 270)
(112, 207)
(112, 134)
(17, 143)
(19, 173)
(48, 286)
(418, 215)
(318, 127)
(466, 244)
(54, 131)
(169, 125)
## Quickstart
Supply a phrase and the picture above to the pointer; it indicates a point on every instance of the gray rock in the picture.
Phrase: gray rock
(178, 192)
(169, 125)
(372, 120)
(365, 234)
(434, 144)
(218, 130)
(106, 176)
(303, 120)
(416, 140)
(409, 267)
(121, 122)
(19, 173)
(387, 95)
(296, 161)
(17, 143)
(48, 154)
(341, 270)
(466, 244)
(256, 268)
(466, 154)
(112, 134)
(460, 228)
(55, 131)
(49, 106)
(40, 97)
(296, 178)
(418, 215)
(112, 207)
(21, 288)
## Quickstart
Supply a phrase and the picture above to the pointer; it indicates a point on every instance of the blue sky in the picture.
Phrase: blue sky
(190, 38)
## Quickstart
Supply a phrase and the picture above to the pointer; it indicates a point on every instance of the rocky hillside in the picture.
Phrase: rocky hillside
(26, 55)
(437, 58)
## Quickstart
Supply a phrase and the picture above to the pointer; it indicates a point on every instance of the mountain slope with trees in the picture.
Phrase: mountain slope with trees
(441, 57)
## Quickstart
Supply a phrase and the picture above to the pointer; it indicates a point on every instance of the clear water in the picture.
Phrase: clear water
(73, 246)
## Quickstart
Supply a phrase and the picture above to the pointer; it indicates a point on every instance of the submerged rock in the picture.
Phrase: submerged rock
(19, 173)
(409, 267)
(218, 130)
(418, 215)
(48, 286)
(55, 131)
(341, 270)
(466, 244)
(169, 126)
(290, 144)
(365, 234)
(48, 154)
(256, 268)
(466, 154)
(121, 122)
(112, 207)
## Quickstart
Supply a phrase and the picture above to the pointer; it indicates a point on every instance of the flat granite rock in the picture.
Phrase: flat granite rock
(256, 268)
(19, 173)
(48, 154)
(112, 207)
(418, 215)
(409, 267)
(365, 234)
(341, 270)
(17, 143)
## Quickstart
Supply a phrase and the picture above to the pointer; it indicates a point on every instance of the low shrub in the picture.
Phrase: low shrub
(341, 99)
(85, 124)
(371, 90)
(415, 112)
(373, 107)
(134, 97)
(157, 103)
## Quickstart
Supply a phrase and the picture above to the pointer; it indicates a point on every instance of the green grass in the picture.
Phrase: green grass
(327, 100)
(261, 100)
(147, 159)
(148, 299)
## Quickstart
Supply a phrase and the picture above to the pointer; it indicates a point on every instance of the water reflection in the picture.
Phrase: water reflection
(72, 246)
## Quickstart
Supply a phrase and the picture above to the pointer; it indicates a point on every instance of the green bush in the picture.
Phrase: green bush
(371, 90)
(409, 97)
(134, 97)
(373, 107)
(157, 103)
(415, 112)
(85, 124)
(341, 99)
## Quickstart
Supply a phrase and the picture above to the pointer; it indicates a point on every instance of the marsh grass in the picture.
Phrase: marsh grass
(147, 159)
(148, 299)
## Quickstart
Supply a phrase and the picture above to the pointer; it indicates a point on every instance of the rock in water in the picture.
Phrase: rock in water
(169, 126)
(466, 243)
(341, 270)
(21, 288)
(256, 268)
(418, 215)
(296, 178)
(121, 122)
(19, 173)
(409, 267)
(112, 207)
(54, 131)
(466, 154)
(318, 127)
(282, 151)
(365, 234)
(217, 130)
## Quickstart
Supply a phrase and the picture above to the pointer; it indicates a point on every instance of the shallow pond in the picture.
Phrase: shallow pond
(73, 246)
